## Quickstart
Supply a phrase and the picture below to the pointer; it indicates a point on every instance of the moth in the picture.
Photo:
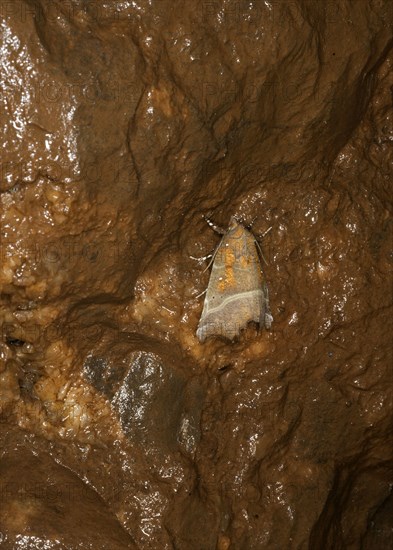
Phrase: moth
(237, 293)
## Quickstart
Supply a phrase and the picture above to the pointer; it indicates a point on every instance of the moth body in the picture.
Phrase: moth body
(237, 293)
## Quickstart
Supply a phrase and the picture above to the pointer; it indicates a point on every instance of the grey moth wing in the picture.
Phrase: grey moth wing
(237, 292)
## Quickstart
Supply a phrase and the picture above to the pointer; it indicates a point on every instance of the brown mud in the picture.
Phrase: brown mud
(122, 125)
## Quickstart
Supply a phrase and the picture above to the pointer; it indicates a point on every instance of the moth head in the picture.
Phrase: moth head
(233, 222)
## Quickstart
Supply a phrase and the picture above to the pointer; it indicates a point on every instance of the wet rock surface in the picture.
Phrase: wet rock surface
(123, 123)
(44, 505)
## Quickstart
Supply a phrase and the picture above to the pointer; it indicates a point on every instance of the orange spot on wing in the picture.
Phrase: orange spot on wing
(244, 262)
(228, 280)
(229, 257)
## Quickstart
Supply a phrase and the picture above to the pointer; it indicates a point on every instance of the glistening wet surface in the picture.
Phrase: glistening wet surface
(123, 125)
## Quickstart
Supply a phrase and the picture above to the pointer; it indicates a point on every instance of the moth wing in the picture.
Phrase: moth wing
(236, 292)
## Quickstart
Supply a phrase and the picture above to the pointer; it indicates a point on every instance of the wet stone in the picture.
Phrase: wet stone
(155, 404)
(123, 125)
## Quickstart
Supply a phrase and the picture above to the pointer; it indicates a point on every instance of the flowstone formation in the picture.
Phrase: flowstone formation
(123, 125)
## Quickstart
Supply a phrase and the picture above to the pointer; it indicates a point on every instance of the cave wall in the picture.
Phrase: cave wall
(124, 124)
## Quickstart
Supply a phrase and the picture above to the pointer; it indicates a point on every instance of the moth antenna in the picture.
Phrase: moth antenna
(259, 246)
(215, 227)
(260, 251)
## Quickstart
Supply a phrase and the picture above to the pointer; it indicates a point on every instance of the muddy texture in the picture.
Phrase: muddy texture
(122, 125)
